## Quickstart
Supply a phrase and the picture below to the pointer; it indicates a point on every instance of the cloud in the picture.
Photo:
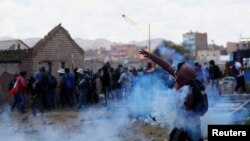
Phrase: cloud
(223, 20)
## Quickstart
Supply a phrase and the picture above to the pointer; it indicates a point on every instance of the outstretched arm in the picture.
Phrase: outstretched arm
(164, 64)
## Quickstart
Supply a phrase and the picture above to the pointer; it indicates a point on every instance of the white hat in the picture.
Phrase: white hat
(61, 71)
(80, 70)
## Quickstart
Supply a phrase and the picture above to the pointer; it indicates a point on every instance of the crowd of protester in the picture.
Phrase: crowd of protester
(78, 89)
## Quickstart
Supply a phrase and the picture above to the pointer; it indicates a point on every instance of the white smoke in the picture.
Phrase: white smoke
(151, 97)
(170, 53)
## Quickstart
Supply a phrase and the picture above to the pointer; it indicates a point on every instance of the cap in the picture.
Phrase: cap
(80, 70)
(61, 71)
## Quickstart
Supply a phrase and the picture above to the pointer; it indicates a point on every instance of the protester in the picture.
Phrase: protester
(239, 74)
(21, 86)
(105, 77)
(214, 76)
(42, 86)
(187, 125)
(117, 86)
(126, 80)
(52, 91)
(63, 89)
(70, 84)
(83, 87)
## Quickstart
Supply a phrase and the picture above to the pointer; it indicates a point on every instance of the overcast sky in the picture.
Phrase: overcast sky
(223, 20)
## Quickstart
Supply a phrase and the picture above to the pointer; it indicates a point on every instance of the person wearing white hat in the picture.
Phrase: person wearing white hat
(80, 71)
(61, 71)
(83, 86)
(62, 87)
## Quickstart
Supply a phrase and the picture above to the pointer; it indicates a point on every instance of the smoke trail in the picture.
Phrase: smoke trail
(134, 24)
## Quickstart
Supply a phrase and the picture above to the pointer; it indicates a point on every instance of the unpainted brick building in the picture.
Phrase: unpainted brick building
(56, 50)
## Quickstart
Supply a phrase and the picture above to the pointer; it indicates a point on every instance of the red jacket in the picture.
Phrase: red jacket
(21, 84)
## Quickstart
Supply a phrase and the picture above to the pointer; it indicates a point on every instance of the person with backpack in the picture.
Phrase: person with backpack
(188, 124)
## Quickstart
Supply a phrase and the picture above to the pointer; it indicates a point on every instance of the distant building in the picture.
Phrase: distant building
(218, 55)
(195, 41)
(91, 54)
(231, 47)
(124, 52)
(214, 46)
(56, 50)
(243, 45)
(208, 54)
(236, 46)
(13, 45)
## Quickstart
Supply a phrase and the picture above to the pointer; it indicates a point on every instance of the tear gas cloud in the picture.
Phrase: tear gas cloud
(171, 54)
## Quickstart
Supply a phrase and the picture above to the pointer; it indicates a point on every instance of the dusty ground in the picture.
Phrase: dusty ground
(72, 122)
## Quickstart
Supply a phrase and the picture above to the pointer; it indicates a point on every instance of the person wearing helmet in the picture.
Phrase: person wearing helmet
(187, 125)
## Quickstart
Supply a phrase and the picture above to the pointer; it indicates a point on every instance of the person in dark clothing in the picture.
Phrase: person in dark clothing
(187, 125)
(52, 91)
(36, 101)
(70, 84)
(106, 80)
(117, 86)
(42, 86)
(62, 87)
(214, 75)
(76, 91)
(83, 86)
(93, 86)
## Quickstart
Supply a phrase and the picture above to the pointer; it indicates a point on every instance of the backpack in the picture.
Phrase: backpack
(199, 98)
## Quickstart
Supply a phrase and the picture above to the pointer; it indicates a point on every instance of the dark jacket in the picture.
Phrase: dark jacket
(214, 72)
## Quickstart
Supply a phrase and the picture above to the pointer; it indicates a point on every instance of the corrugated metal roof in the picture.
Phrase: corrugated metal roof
(13, 45)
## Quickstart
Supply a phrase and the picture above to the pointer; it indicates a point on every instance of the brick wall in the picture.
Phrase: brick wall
(56, 50)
